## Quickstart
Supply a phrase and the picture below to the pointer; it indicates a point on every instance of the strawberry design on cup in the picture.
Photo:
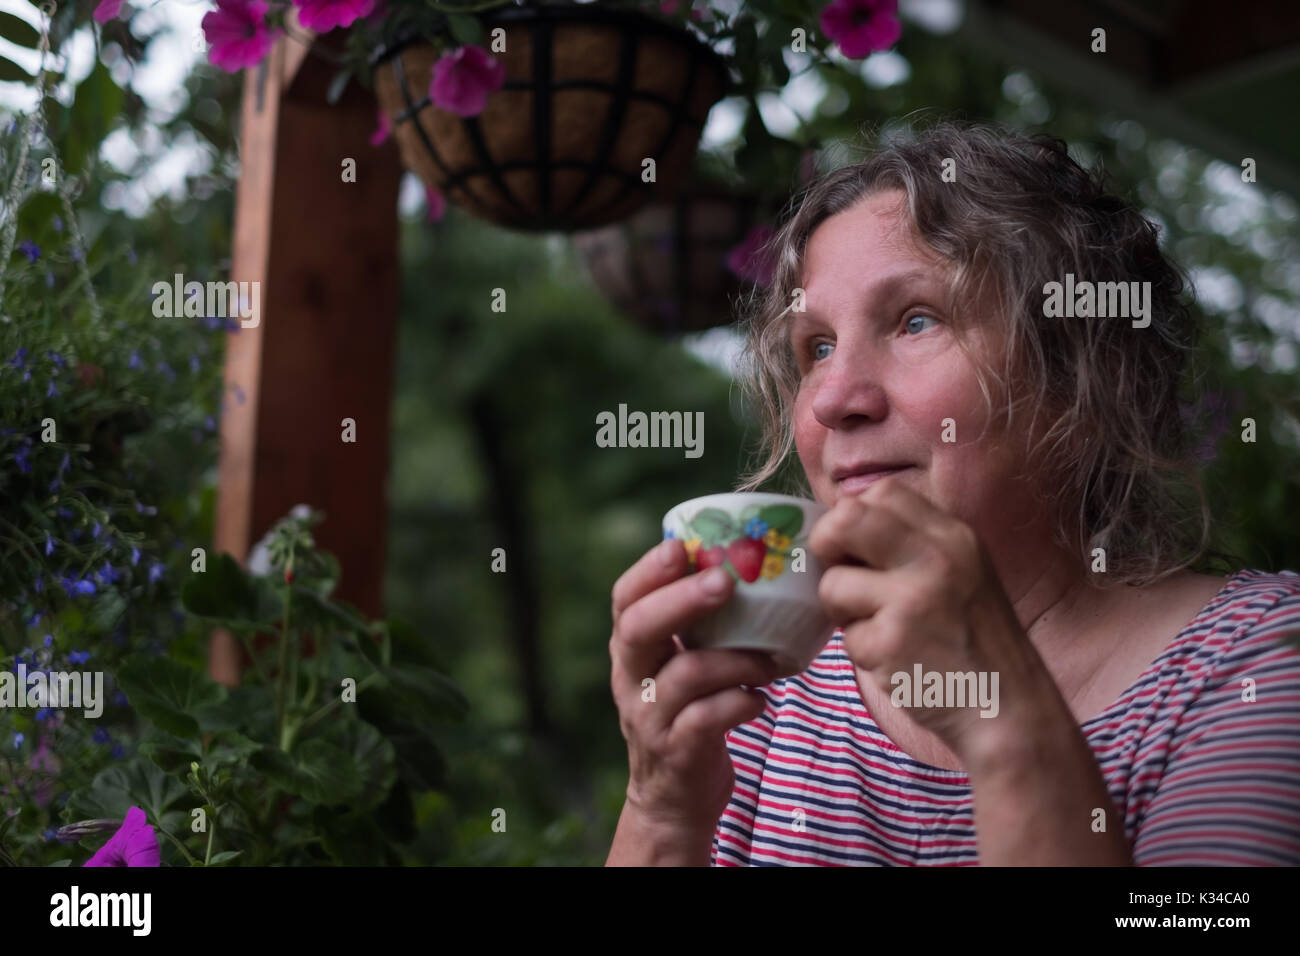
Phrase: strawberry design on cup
(750, 545)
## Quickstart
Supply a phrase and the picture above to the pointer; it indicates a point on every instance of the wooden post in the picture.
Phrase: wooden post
(325, 253)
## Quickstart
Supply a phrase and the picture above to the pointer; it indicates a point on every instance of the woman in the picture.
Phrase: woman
(1008, 496)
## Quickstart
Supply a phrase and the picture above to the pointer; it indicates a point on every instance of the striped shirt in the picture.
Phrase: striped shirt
(1201, 774)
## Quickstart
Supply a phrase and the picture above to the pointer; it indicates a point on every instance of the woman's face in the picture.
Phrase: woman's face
(883, 381)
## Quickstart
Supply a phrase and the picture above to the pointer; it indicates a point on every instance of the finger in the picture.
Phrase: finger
(856, 532)
(909, 505)
(714, 715)
(849, 594)
(663, 563)
(696, 674)
(642, 640)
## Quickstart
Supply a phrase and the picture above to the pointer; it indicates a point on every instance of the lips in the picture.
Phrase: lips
(855, 478)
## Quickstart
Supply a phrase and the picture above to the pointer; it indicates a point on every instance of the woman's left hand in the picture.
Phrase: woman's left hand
(929, 595)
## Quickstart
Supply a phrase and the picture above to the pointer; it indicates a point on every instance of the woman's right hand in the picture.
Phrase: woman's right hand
(680, 774)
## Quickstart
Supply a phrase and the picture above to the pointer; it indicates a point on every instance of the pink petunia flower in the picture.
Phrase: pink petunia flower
(324, 15)
(435, 204)
(237, 34)
(383, 128)
(749, 260)
(463, 79)
(107, 10)
(134, 844)
(862, 27)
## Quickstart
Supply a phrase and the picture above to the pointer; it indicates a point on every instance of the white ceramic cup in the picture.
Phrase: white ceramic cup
(762, 541)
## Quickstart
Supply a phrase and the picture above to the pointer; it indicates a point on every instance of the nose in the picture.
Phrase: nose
(846, 391)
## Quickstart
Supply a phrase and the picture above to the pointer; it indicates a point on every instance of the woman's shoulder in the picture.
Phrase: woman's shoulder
(1254, 617)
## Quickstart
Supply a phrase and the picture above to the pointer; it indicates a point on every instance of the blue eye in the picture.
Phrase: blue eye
(819, 345)
(908, 324)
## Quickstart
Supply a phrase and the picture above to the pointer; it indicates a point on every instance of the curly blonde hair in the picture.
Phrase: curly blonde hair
(1019, 214)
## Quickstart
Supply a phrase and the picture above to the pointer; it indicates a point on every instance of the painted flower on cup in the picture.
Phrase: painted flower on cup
(238, 34)
(692, 549)
(463, 79)
(773, 565)
(861, 27)
(776, 541)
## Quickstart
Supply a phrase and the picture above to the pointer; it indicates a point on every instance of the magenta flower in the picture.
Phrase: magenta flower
(861, 27)
(434, 203)
(382, 129)
(134, 844)
(107, 10)
(324, 15)
(237, 34)
(750, 260)
(463, 79)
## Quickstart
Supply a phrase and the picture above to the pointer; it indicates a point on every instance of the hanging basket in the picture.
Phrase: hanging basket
(666, 267)
(589, 95)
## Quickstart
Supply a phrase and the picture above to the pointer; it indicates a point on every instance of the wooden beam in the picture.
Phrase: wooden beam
(325, 252)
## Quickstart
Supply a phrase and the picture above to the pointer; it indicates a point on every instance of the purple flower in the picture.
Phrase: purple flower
(49, 280)
(131, 257)
(107, 575)
(57, 359)
(463, 79)
(16, 360)
(18, 740)
(34, 619)
(49, 640)
(78, 657)
(167, 371)
(107, 10)
(101, 736)
(30, 249)
(194, 363)
(119, 699)
(861, 27)
(118, 752)
(750, 260)
(75, 586)
(40, 583)
(237, 34)
(324, 15)
(134, 360)
(64, 512)
(49, 544)
(50, 390)
(155, 571)
(134, 844)
(20, 456)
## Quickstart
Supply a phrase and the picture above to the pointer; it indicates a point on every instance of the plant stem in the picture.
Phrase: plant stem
(180, 846)
(282, 674)
(212, 832)
(326, 710)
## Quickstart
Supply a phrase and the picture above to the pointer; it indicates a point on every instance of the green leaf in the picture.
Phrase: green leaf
(106, 610)
(713, 526)
(225, 856)
(248, 708)
(223, 592)
(373, 757)
(19, 31)
(467, 30)
(785, 519)
(116, 790)
(426, 694)
(317, 770)
(169, 752)
(94, 110)
(168, 693)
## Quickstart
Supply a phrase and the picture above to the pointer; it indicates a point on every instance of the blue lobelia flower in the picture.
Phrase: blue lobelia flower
(156, 571)
(134, 360)
(100, 736)
(755, 528)
(78, 657)
(30, 249)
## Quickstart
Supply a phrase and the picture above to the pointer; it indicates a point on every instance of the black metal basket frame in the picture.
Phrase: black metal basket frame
(632, 26)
